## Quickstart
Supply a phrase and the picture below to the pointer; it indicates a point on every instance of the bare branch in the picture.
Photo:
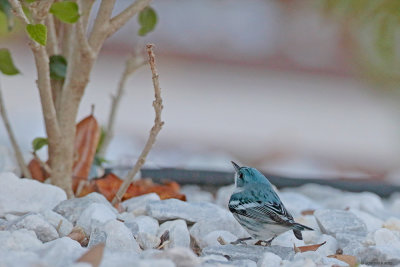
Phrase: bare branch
(17, 9)
(43, 71)
(82, 40)
(101, 24)
(52, 42)
(86, 7)
(122, 18)
(134, 62)
(158, 123)
(18, 154)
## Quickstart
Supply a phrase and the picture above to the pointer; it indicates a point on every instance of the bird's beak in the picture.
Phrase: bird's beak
(237, 167)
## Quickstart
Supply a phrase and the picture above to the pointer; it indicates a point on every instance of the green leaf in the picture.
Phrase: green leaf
(37, 32)
(58, 67)
(147, 19)
(66, 11)
(6, 63)
(6, 8)
(38, 143)
(30, 1)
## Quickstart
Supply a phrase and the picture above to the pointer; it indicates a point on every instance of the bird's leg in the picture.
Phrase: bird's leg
(241, 241)
(264, 243)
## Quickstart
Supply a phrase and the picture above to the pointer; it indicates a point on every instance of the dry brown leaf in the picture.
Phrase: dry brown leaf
(307, 248)
(86, 140)
(108, 185)
(79, 235)
(36, 170)
(307, 212)
(93, 256)
(349, 259)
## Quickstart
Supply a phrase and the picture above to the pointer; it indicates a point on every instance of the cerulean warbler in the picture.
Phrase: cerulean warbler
(257, 207)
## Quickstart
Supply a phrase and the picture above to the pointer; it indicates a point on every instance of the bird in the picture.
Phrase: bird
(258, 209)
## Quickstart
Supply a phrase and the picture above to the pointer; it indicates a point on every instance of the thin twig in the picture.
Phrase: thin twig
(52, 41)
(119, 20)
(134, 62)
(18, 154)
(81, 35)
(158, 123)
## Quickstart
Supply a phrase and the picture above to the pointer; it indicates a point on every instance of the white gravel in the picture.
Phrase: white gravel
(360, 224)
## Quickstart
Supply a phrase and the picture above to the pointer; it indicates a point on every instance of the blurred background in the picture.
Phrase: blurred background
(302, 88)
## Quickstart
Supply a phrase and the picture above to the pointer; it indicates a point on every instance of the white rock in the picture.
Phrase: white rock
(20, 259)
(295, 203)
(299, 263)
(146, 224)
(211, 239)
(378, 254)
(318, 259)
(227, 223)
(223, 195)
(155, 262)
(365, 201)
(332, 222)
(392, 224)
(95, 215)
(19, 240)
(178, 233)
(147, 241)
(385, 237)
(137, 205)
(61, 224)
(35, 222)
(370, 221)
(317, 192)
(134, 227)
(395, 207)
(182, 257)
(72, 208)
(126, 216)
(194, 193)
(119, 237)
(269, 259)
(27, 195)
(171, 209)
(11, 217)
(329, 248)
(244, 263)
(61, 252)
(287, 239)
(213, 258)
(119, 259)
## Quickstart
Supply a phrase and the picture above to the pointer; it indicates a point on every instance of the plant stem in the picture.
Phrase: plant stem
(158, 123)
(18, 154)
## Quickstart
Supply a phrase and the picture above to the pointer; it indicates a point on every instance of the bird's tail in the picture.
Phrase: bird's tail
(300, 227)
(297, 228)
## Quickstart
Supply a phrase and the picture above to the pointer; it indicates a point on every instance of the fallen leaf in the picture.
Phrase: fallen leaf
(349, 259)
(93, 256)
(108, 185)
(307, 212)
(86, 139)
(307, 248)
(79, 235)
(36, 170)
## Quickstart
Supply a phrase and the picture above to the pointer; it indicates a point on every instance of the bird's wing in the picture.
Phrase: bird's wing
(250, 205)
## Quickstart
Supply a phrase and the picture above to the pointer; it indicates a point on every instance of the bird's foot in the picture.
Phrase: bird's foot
(241, 241)
(264, 243)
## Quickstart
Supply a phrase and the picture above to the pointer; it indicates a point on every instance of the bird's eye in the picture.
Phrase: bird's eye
(241, 175)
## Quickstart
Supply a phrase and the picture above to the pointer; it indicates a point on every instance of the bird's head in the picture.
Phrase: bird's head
(247, 175)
